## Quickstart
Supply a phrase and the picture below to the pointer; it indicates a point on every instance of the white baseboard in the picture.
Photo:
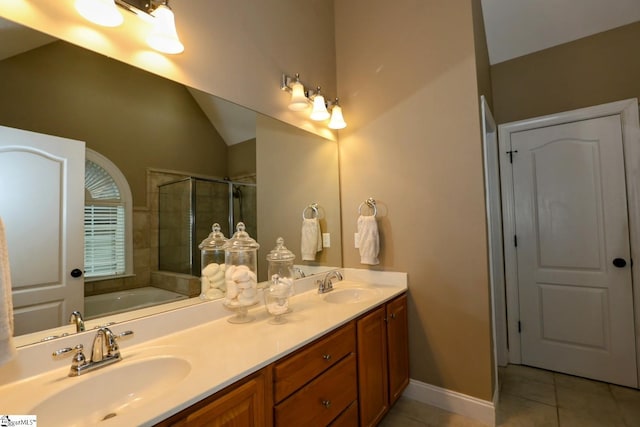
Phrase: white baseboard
(452, 401)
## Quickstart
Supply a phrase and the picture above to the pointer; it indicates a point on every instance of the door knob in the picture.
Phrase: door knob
(619, 262)
(76, 272)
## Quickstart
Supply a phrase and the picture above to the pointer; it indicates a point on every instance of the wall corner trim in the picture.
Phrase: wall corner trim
(452, 401)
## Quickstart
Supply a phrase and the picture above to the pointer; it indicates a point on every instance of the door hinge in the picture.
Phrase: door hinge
(519, 327)
(511, 153)
(515, 240)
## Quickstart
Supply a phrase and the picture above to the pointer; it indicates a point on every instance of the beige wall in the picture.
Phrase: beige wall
(407, 75)
(590, 71)
(241, 159)
(295, 168)
(134, 118)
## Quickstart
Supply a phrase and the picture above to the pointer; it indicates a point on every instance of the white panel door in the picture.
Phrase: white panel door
(576, 304)
(41, 203)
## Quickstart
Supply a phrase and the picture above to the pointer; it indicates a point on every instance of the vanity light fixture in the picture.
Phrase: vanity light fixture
(319, 112)
(163, 36)
(302, 98)
(299, 101)
(337, 121)
(101, 12)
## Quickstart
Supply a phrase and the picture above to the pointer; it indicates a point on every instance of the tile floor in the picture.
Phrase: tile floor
(535, 397)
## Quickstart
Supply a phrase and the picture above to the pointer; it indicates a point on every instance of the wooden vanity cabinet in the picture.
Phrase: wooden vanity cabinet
(246, 403)
(383, 359)
(346, 378)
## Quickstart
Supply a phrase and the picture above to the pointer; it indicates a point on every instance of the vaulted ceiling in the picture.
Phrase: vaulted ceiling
(519, 27)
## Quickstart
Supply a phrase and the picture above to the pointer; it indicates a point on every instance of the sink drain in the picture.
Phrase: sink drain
(108, 416)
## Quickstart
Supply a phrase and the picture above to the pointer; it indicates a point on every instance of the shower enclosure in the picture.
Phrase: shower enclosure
(187, 210)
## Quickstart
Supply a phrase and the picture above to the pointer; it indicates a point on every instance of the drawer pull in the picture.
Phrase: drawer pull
(326, 356)
(326, 403)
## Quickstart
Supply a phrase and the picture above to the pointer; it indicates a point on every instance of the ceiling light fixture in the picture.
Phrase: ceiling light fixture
(163, 36)
(302, 98)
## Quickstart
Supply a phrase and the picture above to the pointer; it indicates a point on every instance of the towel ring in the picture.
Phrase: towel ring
(371, 203)
(314, 211)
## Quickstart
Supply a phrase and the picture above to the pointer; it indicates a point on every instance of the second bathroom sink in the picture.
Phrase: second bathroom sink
(351, 293)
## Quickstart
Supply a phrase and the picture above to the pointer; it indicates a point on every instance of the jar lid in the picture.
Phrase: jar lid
(280, 252)
(241, 240)
(216, 239)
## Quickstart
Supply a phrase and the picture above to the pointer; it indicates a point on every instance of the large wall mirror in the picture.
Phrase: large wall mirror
(189, 159)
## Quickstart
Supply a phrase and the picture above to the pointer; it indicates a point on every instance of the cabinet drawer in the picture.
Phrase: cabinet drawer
(323, 399)
(348, 418)
(306, 364)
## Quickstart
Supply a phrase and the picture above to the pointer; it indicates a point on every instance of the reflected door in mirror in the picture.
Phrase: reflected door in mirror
(41, 203)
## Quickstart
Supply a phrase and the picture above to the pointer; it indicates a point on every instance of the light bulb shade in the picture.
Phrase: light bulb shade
(101, 12)
(337, 121)
(163, 36)
(319, 111)
(299, 101)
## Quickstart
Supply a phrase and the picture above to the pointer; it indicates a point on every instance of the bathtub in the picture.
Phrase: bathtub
(131, 299)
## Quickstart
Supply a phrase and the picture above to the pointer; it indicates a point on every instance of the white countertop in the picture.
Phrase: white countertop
(219, 353)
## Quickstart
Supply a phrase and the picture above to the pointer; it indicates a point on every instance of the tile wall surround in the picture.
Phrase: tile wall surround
(145, 240)
(184, 284)
(145, 243)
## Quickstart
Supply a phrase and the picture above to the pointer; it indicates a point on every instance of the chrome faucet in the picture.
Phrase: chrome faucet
(326, 285)
(105, 351)
(104, 346)
(299, 272)
(76, 317)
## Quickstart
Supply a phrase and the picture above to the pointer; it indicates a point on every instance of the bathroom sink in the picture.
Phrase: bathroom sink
(351, 294)
(111, 391)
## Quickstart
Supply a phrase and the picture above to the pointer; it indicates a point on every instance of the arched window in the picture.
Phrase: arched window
(108, 247)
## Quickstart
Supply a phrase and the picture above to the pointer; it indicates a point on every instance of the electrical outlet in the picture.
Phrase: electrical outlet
(356, 240)
(326, 240)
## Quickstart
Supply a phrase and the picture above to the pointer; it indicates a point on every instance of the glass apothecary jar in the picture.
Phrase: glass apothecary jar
(280, 270)
(212, 261)
(280, 273)
(241, 269)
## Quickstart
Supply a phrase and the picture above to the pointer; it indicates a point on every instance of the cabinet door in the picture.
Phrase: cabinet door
(398, 340)
(373, 388)
(244, 405)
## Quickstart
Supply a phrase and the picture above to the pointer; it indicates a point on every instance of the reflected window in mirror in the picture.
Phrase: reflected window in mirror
(107, 220)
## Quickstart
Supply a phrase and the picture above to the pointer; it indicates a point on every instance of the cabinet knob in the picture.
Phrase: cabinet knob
(326, 403)
(326, 356)
(393, 315)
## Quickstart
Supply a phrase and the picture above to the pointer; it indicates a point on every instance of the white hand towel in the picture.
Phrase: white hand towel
(7, 347)
(311, 241)
(369, 240)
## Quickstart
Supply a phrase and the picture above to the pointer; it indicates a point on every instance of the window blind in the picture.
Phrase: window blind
(104, 240)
